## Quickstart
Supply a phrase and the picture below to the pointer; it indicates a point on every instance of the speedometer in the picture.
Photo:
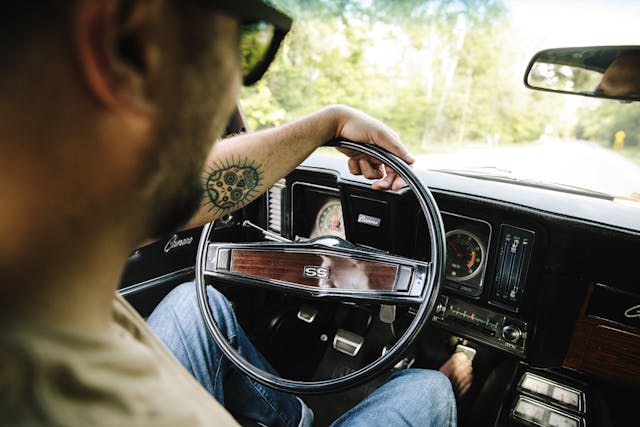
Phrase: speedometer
(329, 221)
(465, 255)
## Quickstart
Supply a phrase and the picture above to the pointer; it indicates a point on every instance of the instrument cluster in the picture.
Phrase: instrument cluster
(323, 211)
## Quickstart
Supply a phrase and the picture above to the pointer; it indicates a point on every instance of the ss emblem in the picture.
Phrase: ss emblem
(316, 272)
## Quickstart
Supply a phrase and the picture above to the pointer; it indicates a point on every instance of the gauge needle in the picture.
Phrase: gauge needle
(458, 254)
(472, 260)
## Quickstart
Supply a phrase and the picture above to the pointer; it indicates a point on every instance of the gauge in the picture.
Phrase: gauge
(329, 221)
(465, 255)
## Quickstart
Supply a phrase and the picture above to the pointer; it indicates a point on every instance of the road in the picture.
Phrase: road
(578, 163)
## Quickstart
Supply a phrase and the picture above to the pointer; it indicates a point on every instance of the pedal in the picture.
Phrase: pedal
(307, 313)
(404, 363)
(470, 352)
(347, 342)
(387, 313)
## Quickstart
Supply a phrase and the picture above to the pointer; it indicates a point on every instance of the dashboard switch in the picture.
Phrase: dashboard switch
(511, 334)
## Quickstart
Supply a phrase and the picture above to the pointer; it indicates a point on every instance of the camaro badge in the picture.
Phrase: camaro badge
(174, 242)
(369, 220)
(316, 272)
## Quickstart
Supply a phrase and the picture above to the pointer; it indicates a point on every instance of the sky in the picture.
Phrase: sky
(579, 23)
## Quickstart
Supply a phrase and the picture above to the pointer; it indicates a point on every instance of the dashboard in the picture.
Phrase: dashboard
(540, 282)
(534, 275)
(519, 268)
(486, 267)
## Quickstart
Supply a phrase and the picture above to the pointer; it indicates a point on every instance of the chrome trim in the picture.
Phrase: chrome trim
(581, 396)
(307, 313)
(487, 246)
(147, 284)
(491, 299)
(483, 254)
(347, 342)
(514, 415)
(267, 234)
(421, 271)
(278, 188)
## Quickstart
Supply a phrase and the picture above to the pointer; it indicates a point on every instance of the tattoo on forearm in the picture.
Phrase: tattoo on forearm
(230, 184)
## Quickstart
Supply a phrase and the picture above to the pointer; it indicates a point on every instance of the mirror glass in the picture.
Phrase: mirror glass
(604, 72)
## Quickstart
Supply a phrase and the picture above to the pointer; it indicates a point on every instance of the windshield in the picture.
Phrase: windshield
(448, 77)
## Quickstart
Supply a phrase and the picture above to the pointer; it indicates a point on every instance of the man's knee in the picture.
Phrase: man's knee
(185, 296)
(425, 378)
(181, 303)
(431, 395)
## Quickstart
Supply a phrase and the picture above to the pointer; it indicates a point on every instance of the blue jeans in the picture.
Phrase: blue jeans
(411, 397)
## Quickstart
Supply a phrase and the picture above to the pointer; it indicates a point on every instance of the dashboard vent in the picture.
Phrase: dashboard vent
(511, 267)
(274, 208)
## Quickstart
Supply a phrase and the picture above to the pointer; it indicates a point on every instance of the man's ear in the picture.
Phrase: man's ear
(114, 53)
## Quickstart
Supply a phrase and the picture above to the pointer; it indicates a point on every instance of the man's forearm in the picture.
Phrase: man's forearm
(241, 168)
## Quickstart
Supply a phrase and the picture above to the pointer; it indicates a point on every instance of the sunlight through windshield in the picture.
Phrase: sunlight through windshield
(448, 76)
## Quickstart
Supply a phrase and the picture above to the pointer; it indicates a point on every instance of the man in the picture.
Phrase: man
(622, 76)
(108, 110)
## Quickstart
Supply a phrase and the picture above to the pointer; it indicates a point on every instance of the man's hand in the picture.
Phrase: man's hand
(264, 157)
(357, 126)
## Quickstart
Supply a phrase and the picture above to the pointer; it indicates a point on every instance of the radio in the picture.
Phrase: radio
(481, 324)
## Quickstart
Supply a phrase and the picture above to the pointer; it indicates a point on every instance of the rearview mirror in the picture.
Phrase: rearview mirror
(605, 72)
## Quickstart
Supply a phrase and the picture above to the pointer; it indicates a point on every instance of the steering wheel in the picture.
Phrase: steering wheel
(323, 268)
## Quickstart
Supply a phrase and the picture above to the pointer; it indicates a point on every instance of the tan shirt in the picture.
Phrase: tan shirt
(50, 377)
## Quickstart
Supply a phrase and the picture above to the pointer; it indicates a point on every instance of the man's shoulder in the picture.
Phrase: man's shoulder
(54, 377)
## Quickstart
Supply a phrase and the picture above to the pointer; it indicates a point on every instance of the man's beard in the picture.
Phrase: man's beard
(179, 210)
(206, 92)
(183, 144)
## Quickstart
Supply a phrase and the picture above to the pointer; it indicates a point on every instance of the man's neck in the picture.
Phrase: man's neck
(76, 295)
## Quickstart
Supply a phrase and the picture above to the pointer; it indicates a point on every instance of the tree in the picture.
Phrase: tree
(438, 72)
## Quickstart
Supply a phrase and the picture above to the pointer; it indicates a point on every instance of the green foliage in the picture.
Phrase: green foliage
(439, 72)
(601, 122)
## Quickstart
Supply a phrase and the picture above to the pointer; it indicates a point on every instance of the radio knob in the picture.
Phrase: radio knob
(511, 333)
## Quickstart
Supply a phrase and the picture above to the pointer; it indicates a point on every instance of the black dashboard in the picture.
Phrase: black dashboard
(487, 265)
(543, 282)
(522, 266)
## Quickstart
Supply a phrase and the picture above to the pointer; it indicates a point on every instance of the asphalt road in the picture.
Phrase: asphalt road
(578, 163)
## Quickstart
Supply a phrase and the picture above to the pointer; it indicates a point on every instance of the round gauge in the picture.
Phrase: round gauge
(329, 221)
(465, 255)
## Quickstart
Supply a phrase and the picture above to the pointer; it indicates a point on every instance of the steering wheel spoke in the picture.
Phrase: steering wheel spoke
(327, 268)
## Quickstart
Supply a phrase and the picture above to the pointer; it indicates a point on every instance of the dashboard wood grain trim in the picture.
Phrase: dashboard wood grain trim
(604, 349)
(316, 270)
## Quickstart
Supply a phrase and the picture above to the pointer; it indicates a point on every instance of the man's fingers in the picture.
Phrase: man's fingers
(390, 181)
(358, 126)
(396, 182)
(384, 183)
(369, 170)
(388, 139)
(354, 166)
